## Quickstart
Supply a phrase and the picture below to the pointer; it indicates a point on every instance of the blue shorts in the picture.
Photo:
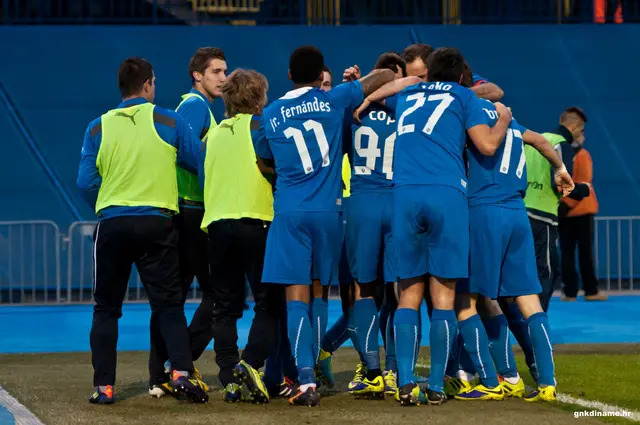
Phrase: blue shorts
(431, 231)
(302, 246)
(369, 244)
(502, 259)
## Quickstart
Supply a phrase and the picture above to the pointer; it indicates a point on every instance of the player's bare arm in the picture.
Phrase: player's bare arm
(376, 79)
(489, 91)
(488, 139)
(387, 90)
(563, 180)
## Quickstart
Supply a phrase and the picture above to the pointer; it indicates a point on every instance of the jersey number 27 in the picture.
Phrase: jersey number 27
(445, 100)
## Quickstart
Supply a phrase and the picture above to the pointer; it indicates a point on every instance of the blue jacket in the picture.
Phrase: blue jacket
(89, 179)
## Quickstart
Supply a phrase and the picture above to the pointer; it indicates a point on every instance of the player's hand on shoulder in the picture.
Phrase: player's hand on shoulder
(503, 110)
(351, 74)
(364, 105)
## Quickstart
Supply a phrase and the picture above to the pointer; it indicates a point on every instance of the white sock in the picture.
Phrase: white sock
(305, 387)
(465, 376)
(513, 380)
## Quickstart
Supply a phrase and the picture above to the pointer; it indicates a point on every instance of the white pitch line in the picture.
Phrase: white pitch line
(21, 414)
(611, 410)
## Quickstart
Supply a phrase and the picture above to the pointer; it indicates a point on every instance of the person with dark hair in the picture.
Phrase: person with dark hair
(327, 77)
(415, 56)
(345, 327)
(542, 199)
(434, 119)
(207, 71)
(127, 173)
(302, 132)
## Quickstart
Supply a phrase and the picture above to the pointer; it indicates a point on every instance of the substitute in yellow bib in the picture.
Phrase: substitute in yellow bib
(127, 172)
(238, 202)
(207, 70)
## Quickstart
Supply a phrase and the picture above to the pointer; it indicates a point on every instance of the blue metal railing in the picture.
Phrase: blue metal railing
(307, 12)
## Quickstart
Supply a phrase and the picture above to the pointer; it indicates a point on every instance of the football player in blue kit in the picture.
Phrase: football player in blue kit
(431, 211)
(502, 258)
(302, 133)
(368, 230)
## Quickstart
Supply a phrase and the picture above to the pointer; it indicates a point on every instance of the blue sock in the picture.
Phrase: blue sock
(520, 330)
(454, 356)
(390, 362)
(319, 313)
(538, 325)
(352, 330)
(464, 361)
(336, 335)
(367, 322)
(444, 328)
(500, 345)
(384, 318)
(477, 345)
(300, 338)
(405, 323)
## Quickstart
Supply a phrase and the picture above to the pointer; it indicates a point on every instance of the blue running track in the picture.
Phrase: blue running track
(46, 329)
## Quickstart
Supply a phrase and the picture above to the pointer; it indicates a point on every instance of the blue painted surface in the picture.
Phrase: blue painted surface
(6, 418)
(66, 328)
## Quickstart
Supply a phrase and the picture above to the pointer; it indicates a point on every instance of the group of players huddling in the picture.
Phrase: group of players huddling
(436, 211)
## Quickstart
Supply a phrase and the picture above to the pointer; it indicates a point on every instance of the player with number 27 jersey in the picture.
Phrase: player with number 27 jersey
(431, 208)
(502, 257)
(302, 132)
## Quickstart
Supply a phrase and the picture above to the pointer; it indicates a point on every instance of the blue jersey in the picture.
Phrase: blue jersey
(372, 145)
(500, 179)
(302, 132)
(432, 124)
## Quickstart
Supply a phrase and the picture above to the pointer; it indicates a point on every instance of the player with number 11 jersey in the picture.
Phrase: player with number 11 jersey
(302, 133)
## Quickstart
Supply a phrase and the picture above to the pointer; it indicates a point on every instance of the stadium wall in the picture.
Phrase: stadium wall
(59, 78)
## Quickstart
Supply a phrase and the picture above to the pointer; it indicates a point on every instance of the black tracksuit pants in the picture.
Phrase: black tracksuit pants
(151, 243)
(194, 261)
(236, 255)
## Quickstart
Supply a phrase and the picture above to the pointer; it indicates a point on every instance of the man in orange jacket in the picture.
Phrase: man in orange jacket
(576, 224)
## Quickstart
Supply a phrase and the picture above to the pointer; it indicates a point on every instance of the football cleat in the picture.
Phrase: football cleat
(454, 386)
(390, 382)
(361, 373)
(103, 397)
(542, 394)
(285, 389)
(411, 395)
(232, 393)
(189, 387)
(512, 390)
(309, 398)
(369, 388)
(198, 377)
(252, 382)
(435, 397)
(480, 392)
(324, 370)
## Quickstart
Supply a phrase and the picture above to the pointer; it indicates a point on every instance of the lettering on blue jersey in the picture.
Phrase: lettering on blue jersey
(304, 107)
(373, 143)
